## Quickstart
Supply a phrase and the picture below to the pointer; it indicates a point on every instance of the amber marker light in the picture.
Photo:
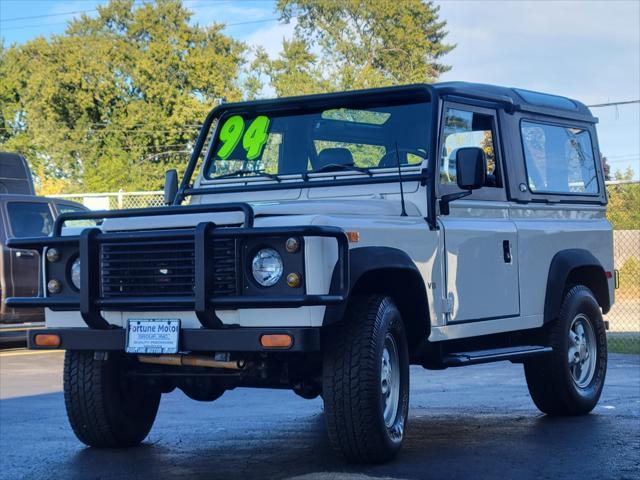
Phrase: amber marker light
(292, 245)
(47, 340)
(353, 237)
(277, 340)
(53, 255)
(54, 286)
(293, 280)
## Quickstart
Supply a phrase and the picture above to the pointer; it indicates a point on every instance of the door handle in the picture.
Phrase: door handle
(506, 251)
(25, 254)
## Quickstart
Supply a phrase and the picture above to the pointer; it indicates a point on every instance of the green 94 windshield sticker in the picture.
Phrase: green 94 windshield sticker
(254, 136)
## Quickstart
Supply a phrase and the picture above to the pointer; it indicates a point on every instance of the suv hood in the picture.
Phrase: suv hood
(371, 207)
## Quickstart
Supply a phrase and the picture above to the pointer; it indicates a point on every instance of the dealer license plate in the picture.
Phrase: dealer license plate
(153, 335)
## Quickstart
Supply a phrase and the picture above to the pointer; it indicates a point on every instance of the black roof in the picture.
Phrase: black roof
(512, 99)
(518, 99)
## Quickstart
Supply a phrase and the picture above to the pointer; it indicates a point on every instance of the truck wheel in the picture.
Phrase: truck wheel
(104, 408)
(366, 381)
(569, 381)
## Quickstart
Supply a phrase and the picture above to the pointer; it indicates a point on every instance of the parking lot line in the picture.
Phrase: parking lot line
(28, 352)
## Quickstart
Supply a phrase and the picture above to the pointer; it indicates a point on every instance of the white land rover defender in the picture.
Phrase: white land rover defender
(331, 241)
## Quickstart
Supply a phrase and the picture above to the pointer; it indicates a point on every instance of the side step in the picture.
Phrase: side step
(493, 355)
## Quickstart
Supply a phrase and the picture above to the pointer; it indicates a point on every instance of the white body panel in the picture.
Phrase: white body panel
(481, 285)
(471, 290)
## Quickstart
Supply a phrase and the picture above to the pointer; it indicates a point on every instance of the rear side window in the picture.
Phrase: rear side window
(559, 159)
(64, 208)
(69, 208)
(29, 219)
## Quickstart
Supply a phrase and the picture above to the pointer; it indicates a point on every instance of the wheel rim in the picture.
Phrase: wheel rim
(390, 380)
(582, 352)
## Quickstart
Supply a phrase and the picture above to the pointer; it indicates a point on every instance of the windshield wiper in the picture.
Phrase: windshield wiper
(342, 166)
(244, 171)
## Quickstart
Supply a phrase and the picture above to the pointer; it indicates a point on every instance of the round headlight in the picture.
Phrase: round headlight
(75, 273)
(267, 267)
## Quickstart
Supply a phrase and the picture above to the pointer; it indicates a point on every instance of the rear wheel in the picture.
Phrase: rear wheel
(570, 380)
(105, 408)
(366, 381)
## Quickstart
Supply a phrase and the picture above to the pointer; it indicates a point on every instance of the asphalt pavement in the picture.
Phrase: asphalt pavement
(468, 423)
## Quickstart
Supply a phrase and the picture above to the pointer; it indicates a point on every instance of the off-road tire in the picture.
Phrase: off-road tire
(354, 409)
(104, 409)
(549, 379)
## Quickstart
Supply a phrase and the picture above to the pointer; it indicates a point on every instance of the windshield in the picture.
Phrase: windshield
(331, 139)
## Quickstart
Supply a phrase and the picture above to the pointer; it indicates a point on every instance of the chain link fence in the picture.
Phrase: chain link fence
(623, 212)
(624, 318)
(116, 200)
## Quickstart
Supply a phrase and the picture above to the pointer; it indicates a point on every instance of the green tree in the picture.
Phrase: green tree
(605, 167)
(623, 210)
(361, 44)
(294, 72)
(95, 105)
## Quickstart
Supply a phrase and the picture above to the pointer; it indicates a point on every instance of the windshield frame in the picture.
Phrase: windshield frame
(359, 99)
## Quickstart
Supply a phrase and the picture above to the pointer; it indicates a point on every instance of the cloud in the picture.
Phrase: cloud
(270, 38)
(207, 12)
(584, 50)
(587, 50)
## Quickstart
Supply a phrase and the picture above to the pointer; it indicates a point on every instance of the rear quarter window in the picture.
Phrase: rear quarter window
(559, 159)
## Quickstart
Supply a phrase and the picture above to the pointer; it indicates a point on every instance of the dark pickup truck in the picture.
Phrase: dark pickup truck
(22, 214)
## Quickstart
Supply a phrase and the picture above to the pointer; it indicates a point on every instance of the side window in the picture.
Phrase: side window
(64, 208)
(69, 208)
(29, 219)
(559, 159)
(464, 128)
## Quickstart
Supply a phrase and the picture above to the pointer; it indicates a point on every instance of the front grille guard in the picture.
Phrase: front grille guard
(203, 302)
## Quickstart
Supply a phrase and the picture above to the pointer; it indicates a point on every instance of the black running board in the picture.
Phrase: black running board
(494, 355)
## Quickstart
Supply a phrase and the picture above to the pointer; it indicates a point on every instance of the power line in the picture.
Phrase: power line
(224, 25)
(613, 104)
(62, 14)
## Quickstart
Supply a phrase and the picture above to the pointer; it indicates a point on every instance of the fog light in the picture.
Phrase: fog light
(46, 340)
(292, 245)
(53, 255)
(293, 280)
(279, 340)
(54, 286)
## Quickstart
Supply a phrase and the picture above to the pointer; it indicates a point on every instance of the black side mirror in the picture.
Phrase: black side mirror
(471, 168)
(170, 186)
(471, 173)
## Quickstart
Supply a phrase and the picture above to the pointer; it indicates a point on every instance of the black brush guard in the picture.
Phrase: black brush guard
(203, 302)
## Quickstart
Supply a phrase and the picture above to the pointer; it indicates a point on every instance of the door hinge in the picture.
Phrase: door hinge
(447, 304)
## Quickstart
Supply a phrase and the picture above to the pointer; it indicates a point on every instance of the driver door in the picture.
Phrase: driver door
(480, 241)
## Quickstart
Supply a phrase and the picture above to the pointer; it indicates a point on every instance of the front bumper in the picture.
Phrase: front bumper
(245, 339)
(203, 302)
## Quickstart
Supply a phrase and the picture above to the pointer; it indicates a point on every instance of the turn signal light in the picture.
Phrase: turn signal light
(54, 286)
(53, 255)
(353, 237)
(278, 340)
(292, 245)
(293, 280)
(47, 340)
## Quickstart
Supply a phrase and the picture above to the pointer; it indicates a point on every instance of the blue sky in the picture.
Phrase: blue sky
(588, 50)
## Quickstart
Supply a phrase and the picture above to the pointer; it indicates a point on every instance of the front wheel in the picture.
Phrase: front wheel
(366, 381)
(570, 380)
(105, 408)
